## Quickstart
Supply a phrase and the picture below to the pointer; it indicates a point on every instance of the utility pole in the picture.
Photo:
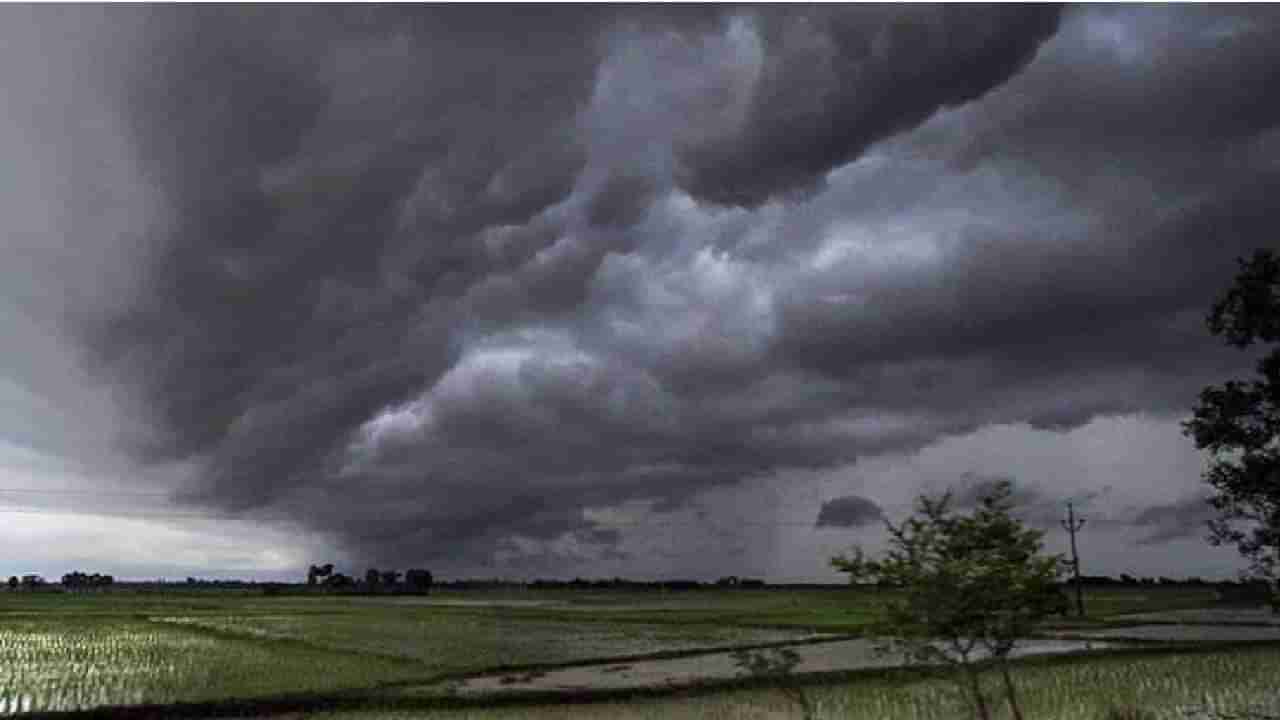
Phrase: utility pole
(1072, 524)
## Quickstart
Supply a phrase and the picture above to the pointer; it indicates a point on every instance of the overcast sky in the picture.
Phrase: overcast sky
(646, 291)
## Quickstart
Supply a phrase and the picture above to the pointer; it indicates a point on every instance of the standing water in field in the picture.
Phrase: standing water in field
(833, 656)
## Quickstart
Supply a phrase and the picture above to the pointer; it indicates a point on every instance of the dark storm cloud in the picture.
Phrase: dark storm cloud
(439, 281)
(849, 511)
(321, 169)
(1008, 310)
(1153, 86)
(835, 81)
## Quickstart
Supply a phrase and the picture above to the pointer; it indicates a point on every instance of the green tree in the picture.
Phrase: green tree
(1239, 423)
(964, 588)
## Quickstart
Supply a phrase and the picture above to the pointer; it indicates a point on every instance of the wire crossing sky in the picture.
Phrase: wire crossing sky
(505, 289)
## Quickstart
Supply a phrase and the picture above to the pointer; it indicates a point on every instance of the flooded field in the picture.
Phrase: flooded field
(834, 656)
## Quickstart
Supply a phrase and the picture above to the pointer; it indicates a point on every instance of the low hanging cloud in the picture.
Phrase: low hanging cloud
(851, 511)
(439, 283)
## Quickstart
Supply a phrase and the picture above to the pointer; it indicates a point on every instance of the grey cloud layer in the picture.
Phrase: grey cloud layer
(428, 279)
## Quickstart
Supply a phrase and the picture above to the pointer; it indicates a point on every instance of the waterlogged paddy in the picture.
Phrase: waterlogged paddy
(841, 655)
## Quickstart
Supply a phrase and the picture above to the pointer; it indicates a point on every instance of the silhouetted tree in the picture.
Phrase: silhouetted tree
(372, 578)
(418, 580)
(338, 580)
(317, 572)
(1239, 423)
(390, 577)
(13, 582)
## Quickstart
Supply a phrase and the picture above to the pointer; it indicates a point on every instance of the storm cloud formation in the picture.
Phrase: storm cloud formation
(445, 283)
(849, 511)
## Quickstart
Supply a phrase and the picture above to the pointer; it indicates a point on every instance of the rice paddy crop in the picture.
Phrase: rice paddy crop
(69, 665)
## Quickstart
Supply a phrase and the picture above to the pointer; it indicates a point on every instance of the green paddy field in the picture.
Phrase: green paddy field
(215, 653)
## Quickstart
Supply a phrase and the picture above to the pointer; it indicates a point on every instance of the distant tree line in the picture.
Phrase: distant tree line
(77, 580)
(71, 581)
(415, 580)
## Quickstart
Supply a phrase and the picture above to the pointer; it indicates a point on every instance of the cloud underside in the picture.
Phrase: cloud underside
(429, 279)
